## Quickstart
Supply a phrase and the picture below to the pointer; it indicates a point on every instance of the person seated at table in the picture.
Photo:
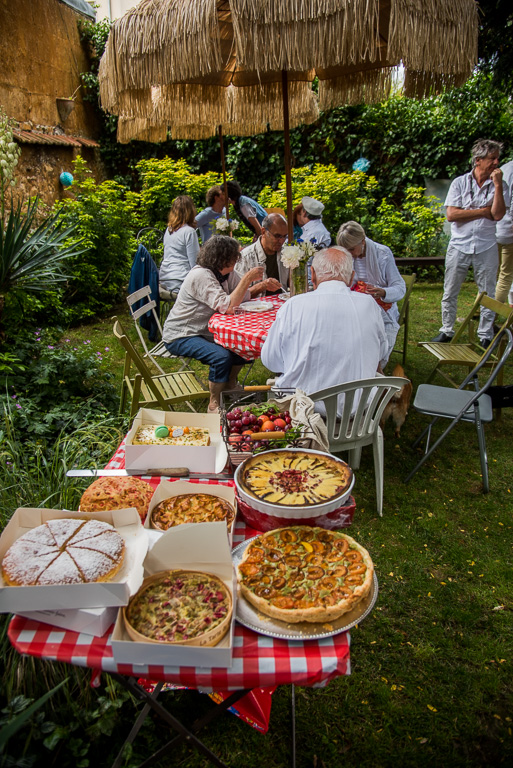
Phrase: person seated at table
(181, 244)
(265, 252)
(205, 219)
(211, 286)
(296, 226)
(309, 219)
(375, 265)
(328, 336)
(251, 212)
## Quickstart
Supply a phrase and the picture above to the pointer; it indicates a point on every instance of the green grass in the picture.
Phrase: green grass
(431, 682)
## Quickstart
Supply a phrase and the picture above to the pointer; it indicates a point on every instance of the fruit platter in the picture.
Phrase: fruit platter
(254, 427)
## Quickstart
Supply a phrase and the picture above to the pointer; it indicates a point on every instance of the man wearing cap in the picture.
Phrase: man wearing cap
(310, 219)
(265, 252)
(327, 336)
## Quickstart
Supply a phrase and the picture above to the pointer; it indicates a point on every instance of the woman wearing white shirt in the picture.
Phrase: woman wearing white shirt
(181, 245)
(374, 264)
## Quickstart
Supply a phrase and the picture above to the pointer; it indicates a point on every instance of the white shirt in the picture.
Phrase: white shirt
(326, 337)
(205, 220)
(505, 225)
(478, 235)
(180, 251)
(315, 230)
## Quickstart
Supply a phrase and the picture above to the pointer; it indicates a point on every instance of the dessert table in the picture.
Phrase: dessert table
(245, 333)
(259, 661)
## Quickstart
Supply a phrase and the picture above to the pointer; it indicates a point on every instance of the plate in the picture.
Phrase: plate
(250, 617)
(256, 306)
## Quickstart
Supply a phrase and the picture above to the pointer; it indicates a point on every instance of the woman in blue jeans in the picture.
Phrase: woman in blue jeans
(212, 286)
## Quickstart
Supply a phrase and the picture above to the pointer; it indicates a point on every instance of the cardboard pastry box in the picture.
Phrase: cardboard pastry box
(90, 621)
(100, 594)
(208, 458)
(166, 490)
(194, 547)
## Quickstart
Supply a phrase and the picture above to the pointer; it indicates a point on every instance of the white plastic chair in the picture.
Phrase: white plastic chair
(358, 424)
(148, 304)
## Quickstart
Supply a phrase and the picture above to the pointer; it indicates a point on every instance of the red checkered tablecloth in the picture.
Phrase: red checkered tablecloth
(258, 661)
(245, 334)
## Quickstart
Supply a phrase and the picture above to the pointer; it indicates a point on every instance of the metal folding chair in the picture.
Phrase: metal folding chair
(404, 317)
(462, 404)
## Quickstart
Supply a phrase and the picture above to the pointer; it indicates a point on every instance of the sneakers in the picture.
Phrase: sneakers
(485, 343)
(442, 337)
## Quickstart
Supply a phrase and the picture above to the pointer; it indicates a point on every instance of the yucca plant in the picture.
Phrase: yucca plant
(31, 253)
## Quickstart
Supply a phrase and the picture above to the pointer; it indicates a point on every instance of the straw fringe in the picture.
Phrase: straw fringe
(304, 34)
(434, 36)
(419, 85)
(130, 129)
(369, 87)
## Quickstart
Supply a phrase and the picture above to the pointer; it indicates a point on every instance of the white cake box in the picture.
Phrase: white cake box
(99, 594)
(91, 621)
(166, 490)
(193, 547)
(204, 458)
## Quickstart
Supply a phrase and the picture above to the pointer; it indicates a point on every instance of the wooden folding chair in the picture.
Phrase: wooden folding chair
(147, 304)
(456, 352)
(404, 316)
(146, 390)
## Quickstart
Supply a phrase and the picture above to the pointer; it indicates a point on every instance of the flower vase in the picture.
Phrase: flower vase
(298, 281)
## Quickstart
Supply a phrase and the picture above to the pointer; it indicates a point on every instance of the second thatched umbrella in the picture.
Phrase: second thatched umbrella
(171, 62)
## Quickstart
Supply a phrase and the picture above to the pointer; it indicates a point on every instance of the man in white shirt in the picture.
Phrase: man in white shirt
(310, 220)
(505, 241)
(265, 252)
(475, 203)
(328, 336)
(205, 219)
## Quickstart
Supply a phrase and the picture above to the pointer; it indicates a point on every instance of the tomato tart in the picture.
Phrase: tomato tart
(183, 607)
(308, 574)
(191, 508)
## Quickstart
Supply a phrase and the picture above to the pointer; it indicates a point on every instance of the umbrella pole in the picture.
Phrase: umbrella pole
(286, 131)
(223, 166)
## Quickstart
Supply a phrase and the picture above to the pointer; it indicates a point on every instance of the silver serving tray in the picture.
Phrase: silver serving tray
(247, 615)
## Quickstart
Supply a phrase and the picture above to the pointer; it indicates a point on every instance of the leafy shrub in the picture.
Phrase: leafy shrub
(58, 388)
(414, 230)
(107, 220)
(163, 180)
(345, 195)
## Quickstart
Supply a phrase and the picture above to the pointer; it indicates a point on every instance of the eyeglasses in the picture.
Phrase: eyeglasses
(275, 235)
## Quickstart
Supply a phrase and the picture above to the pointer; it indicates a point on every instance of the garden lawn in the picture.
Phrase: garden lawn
(431, 679)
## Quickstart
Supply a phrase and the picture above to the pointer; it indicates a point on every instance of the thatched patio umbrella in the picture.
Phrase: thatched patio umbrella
(171, 62)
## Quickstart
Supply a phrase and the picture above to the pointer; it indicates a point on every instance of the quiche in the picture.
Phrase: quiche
(197, 436)
(308, 574)
(184, 607)
(108, 493)
(295, 478)
(191, 508)
(64, 551)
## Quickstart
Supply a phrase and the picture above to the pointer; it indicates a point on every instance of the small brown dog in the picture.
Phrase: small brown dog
(397, 407)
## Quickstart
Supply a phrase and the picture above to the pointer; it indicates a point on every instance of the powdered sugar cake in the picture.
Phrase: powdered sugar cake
(64, 551)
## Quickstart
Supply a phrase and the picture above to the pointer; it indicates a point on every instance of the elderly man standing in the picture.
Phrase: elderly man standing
(265, 252)
(328, 336)
(475, 203)
(310, 220)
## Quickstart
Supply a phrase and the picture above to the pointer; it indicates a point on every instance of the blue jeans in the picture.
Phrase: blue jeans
(220, 360)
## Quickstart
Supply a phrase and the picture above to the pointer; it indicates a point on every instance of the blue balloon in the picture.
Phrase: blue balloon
(362, 164)
(66, 179)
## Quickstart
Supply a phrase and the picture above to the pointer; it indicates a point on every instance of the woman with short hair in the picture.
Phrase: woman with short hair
(181, 244)
(211, 286)
(251, 212)
(375, 266)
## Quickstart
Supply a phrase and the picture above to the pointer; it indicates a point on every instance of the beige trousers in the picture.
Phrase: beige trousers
(505, 276)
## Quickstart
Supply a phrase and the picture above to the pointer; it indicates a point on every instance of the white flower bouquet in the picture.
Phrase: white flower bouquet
(225, 226)
(294, 256)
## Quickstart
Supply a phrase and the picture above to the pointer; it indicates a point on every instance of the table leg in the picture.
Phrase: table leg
(293, 724)
(184, 734)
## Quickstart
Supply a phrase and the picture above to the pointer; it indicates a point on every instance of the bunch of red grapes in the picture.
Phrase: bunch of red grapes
(242, 424)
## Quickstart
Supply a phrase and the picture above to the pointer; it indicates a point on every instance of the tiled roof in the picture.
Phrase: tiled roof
(36, 137)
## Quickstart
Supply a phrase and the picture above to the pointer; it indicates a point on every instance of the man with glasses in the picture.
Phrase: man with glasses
(265, 252)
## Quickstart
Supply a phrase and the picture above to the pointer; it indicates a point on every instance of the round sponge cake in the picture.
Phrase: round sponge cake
(108, 493)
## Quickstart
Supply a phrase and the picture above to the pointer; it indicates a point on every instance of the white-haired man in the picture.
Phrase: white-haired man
(475, 203)
(328, 336)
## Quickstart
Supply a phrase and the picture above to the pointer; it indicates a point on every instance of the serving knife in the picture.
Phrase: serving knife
(167, 472)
